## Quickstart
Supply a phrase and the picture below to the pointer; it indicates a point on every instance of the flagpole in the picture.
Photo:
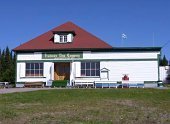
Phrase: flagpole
(123, 37)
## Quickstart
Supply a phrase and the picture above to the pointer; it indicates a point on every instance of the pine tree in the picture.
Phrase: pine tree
(3, 61)
(0, 54)
(7, 66)
(163, 61)
(0, 66)
(7, 58)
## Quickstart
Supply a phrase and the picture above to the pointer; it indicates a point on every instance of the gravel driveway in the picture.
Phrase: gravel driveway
(14, 90)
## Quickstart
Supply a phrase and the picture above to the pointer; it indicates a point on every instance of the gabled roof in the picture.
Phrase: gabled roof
(82, 40)
(104, 70)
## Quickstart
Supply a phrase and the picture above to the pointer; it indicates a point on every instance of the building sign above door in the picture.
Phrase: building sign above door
(62, 55)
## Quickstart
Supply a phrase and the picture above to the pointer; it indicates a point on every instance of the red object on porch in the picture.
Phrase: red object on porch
(125, 77)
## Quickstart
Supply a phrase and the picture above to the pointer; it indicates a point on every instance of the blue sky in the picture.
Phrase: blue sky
(22, 20)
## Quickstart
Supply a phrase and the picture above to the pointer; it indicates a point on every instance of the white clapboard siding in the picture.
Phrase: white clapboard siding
(77, 68)
(164, 72)
(29, 56)
(122, 55)
(136, 70)
(48, 70)
(22, 69)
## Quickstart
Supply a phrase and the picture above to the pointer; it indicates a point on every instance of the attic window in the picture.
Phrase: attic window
(63, 38)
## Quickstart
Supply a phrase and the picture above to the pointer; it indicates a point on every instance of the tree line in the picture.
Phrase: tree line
(7, 65)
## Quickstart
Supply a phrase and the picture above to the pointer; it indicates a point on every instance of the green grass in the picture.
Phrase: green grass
(86, 106)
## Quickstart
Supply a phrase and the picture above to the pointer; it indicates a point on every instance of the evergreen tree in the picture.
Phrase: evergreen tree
(3, 61)
(0, 54)
(7, 65)
(163, 61)
(7, 58)
(0, 66)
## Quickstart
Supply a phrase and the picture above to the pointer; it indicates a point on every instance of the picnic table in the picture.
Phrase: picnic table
(4, 84)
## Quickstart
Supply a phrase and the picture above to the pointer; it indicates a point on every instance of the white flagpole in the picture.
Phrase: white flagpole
(123, 37)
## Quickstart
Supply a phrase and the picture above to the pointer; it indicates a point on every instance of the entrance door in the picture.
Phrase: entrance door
(62, 71)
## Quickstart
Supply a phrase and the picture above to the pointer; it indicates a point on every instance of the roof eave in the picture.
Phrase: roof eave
(113, 49)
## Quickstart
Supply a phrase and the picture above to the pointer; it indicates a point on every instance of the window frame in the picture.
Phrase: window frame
(34, 69)
(86, 69)
(63, 38)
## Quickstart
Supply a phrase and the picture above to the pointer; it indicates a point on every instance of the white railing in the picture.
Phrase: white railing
(108, 84)
(131, 84)
(84, 83)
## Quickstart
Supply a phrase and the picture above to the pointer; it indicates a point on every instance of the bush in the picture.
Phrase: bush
(59, 83)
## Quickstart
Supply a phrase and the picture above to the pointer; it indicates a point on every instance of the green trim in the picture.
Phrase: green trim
(87, 60)
(44, 61)
(150, 82)
(20, 83)
(16, 67)
(113, 49)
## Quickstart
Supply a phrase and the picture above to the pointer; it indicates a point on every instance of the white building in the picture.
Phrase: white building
(68, 52)
(164, 74)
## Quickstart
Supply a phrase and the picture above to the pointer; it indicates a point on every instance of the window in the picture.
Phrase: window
(90, 69)
(34, 69)
(63, 38)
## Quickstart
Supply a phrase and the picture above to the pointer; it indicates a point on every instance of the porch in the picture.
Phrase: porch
(108, 84)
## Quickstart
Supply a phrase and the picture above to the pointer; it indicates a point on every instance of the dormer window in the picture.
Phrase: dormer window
(63, 36)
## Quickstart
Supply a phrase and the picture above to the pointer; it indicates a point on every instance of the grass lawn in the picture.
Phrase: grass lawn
(79, 106)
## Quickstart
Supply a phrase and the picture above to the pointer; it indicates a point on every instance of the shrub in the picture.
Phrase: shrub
(59, 83)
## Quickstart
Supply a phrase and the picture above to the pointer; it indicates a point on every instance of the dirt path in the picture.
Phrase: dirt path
(13, 90)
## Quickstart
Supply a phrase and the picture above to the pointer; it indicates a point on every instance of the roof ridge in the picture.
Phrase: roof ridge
(91, 34)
